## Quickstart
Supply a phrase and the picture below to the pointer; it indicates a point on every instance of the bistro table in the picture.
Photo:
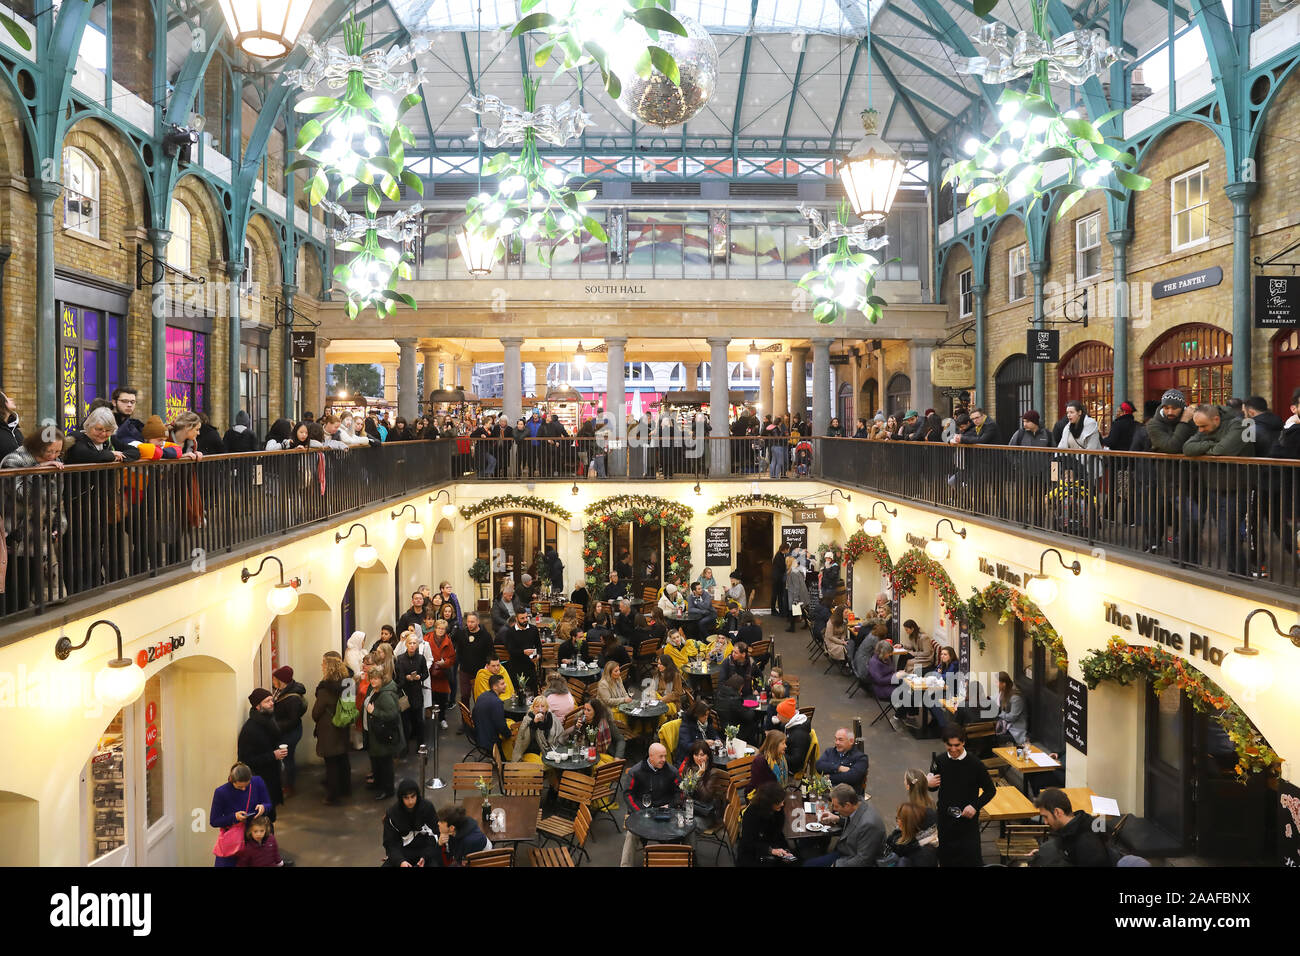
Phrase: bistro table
(1008, 803)
(794, 801)
(515, 708)
(560, 760)
(722, 756)
(521, 817)
(1024, 766)
(643, 711)
(581, 673)
(674, 829)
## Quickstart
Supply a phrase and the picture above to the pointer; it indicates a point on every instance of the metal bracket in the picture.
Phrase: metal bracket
(963, 337)
(160, 269)
(1065, 318)
(283, 308)
(1273, 259)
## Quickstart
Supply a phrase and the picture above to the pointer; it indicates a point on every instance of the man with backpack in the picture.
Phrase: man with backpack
(1072, 841)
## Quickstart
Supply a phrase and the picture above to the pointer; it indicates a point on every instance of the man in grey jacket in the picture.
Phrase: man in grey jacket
(863, 836)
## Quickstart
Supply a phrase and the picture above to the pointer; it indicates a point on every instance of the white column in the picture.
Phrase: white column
(430, 358)
(616, 406)
(465, 372)
(407, 397)
(919, 353)
(512, 389)
(391, 385)
(539, 371)
(692, 381)
(765, 387)
(781, 404)
(798, 381)
(821, 411)
(719, 451)
(322, 369)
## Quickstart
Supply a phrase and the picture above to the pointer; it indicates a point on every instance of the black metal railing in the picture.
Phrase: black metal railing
(85, 528)
(1238, 517)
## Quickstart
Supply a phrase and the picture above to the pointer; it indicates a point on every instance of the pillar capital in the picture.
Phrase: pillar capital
(511, 342)
(615, 340)
(159, 238)
(1120, 237)
(405, 343)
(46, 189)
(234, 268)
(1240, 192)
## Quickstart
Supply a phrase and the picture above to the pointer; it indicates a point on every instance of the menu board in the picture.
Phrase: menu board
(1288, 828)
(795, 535)
(1076, 714)
(963, 649)
(717, 546)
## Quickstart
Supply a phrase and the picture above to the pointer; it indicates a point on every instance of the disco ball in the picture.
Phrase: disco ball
(655, 99)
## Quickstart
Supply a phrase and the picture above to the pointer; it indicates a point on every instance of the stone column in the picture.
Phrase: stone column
(979, 292)
(465, 373)
(799, 382)
(158, 239)
(780, 403)
(692, 378)
(1240, 194)
(286, 387)
(234, 269)
(855, 381)
(512, 388)
(919, 352)
(821, 386)
(1119, 240)
(539, 374)
(616, 406)
(429, 357)
(765, 387)
(1039, 271)
(719, 451)
(322, 376)
(407, 397)
(391, 385)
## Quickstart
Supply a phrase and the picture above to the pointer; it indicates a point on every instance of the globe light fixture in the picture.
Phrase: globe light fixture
(477, 251)
(832, 510)
(365, 555)
(939, 549)
(449, 509)
(1245, 665)
(1043, 590)
(414, 529)
(265, 28)
(119, 682)
(751, 357)
(283, 596)
(873, 525)
(579, 356)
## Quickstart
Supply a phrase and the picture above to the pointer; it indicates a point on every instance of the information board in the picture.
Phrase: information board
(717, 546)
(1076, 714)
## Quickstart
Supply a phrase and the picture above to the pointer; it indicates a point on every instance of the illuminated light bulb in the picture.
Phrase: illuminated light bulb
(1009, 157)
(582, 211)
(555, 176)
(371, 145)
(1091, 177)
(414, 530)
(1039, 124)
(1018, 129)
(357, 124)
(1248, 669)
(365, 556)
(282, 598)
(118, 683)
(937, 549)
(1009, 112)
(1042, 590)
(386, 109)
(513, 185)
(873, 527)
(483, 199)
(971, 146)
(568, 222)
(448, 510)
(537, 199)
(832, 511)
(1071, 114)
(494, 212)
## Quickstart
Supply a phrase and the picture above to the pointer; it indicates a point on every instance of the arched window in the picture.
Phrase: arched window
(510, 543)
(1086, 374)
(898, 395)
(1194, 358)
(179, 249)
(1286, 369)
(844, 407)
(1013, 392)
(80, 193)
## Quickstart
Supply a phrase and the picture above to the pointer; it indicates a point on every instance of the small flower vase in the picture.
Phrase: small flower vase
(487, 811)
(690, 810)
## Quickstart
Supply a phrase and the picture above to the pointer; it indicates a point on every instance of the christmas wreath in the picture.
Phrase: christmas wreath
(646, 511)
(861, 543)
(743, 501)
(525, 502)
(916, 563)
(1124, 663)
(1004, 601)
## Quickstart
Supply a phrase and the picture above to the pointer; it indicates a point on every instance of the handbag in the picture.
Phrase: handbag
(796, 609)
(231, 839)
(403, 703)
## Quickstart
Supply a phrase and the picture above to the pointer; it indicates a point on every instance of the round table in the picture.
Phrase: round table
(722, 758)
(673, 830)
(581, 673)
(702, 669)
(569, 763)
(648, 711)
(515, 709)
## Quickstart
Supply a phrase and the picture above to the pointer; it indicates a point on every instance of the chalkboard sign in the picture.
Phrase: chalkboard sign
(717, 546)
(1288, 824)
(963, 649)
(896, 625)
(1076, 715)
(795, 535)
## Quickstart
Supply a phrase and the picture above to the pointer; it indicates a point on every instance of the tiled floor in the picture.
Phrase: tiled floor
(317, 835)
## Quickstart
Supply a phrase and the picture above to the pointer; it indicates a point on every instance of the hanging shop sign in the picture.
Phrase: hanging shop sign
(839, 360)
(808, 515)
(1076, 714)
(952, 368)
(963, 649)
(1043, 345)
(1187, 283)
(795, 535)
(1190, 640)
(304, 345)
(717, 546)
(1275, 301)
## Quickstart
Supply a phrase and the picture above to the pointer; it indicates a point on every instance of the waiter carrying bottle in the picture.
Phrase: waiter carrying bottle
(964, 786)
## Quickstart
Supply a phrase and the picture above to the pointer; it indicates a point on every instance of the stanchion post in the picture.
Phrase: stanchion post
(436, 783)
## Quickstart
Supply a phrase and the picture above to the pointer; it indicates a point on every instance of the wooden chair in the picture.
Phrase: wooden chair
(523, 779)
(669, 733)
(594, 647)
(544, 608)
(979, 737)
(721, 833)
(571, 718)
(550, 658)
(760, 650)
(504, 857)
(467, 719)
(554, 856)
(1019, 840)
(719, 609)
(793, 682)
(578, 689)
(500, 651)
(570, 832)
(647, 653)
(578, 611)
(624, 672)
(738, 770)
(465, 776)
(605, 782)
(649, 596)
(669, 854)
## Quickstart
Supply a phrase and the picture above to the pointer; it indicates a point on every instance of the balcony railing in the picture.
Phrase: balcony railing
(87, 528)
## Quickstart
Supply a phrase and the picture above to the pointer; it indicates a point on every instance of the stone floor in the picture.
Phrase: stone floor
(313, 834)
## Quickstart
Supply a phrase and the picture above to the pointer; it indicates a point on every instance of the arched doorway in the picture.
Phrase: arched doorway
(1087, 374)
(898, 395)
(1013, 392)
(511, 541)
(844, 407)
(1286, 369)
(870, 396)
(1196, 359)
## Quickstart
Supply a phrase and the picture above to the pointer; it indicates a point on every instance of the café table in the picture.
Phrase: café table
(795, 800)
(643, 711)
(563, 760)
(1024, 766)
(515, 708)
(581, 673)
(520, 822)
(674, 829)
(1008, 803)
(722, 756)
(1080, 798)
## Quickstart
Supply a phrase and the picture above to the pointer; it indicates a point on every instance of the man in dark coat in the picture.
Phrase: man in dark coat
(1120, 437)
(1072, 842)
(984, 430)
(964, 786)
(240, 436)
(1268, 427)
(259, 743)
(524, 642)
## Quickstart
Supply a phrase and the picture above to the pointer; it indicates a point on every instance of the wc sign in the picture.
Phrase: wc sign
(1275, 301)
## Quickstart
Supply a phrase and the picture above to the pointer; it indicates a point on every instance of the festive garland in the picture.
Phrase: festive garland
(915, 562)
(861, 543)
(647, 511)
(740, 501)
(1003, 600)
(527, 502)
(1123, 663)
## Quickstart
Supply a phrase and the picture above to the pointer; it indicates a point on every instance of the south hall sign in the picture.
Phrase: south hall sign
(1148, 625)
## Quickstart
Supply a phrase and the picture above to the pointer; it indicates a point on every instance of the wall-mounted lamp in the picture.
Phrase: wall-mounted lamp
(449, 509)
(575, 488)
(365, 555)
(283, 597)
(1042, 589)
(414, 530)
(832, 510)
(1245, 665)
(697, 489)
(939, 549)
(119, 682)
(751, 357)
(873, 525)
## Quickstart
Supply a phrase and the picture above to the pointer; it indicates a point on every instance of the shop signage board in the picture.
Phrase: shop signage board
(717, 546)
(304, 345)
(1275, 301)
(963, 649)
(839, 360)
(1043, 345)
(1076, 714)
(1143, 625)
(952, 368)
(808, 515)
(795, 535)
(1202, 279)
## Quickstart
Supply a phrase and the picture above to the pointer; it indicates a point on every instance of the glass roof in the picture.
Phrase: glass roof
(847, 17)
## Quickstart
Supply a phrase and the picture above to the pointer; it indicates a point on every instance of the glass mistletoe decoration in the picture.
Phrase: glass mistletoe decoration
(845, 279)
(532, 201)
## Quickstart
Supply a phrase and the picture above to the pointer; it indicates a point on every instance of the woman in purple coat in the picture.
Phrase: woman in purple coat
(882, 670)
(242, 797)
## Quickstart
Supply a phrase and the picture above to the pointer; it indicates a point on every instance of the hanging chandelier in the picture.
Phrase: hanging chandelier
(265, 28)
(871, 173)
